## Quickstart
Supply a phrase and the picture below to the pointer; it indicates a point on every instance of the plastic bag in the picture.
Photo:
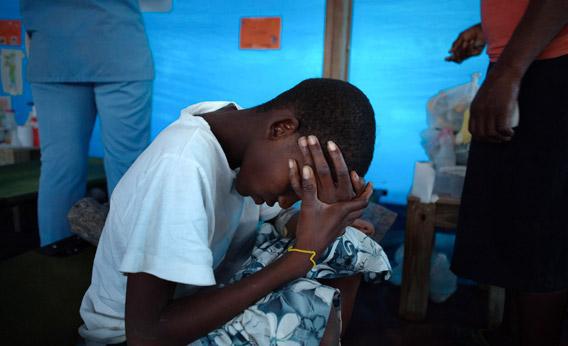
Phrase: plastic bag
(445, 155)
(448, 116)
(446, 109)
(396, 274)
(443, 283)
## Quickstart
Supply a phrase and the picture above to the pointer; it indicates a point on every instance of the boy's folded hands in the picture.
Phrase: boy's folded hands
(328, 205)
(335, 184)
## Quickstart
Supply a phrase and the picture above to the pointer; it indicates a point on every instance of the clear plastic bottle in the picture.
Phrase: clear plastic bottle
(446, 156)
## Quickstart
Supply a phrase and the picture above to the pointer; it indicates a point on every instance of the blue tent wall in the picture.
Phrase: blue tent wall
(397, 59)
(197, 56)
(397, 53)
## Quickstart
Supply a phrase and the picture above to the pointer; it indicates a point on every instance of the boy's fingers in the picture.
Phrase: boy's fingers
(319, 162)
(303, 144)
(294, 177)
(309, 186)
(358, 183)
(344, 186)
(367, 192)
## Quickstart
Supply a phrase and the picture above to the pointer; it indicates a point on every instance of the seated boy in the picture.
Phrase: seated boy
(202, 186)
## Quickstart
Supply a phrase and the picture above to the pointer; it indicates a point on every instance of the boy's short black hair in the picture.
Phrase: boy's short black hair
(334, 110)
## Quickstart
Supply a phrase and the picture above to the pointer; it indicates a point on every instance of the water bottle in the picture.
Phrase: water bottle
(446, 156)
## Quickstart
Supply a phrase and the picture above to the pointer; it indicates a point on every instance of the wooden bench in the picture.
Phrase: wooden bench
(19, 185)
(422, 220)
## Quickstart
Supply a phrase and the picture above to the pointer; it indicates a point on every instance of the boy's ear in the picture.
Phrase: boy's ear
(283, 127)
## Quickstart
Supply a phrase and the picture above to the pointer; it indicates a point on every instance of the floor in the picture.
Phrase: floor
(43, 295)
(40, 298)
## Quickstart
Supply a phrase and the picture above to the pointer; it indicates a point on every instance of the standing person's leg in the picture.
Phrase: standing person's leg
(540, 317)
(513, 231)
(125, 109)
(66, 115)
(510, 325)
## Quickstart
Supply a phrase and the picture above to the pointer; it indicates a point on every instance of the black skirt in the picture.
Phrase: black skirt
(513, 224)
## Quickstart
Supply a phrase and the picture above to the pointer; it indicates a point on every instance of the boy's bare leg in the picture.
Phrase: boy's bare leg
(348, 286)
(332, 330)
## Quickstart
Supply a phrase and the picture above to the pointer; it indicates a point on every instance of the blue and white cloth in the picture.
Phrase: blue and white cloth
(298, 313)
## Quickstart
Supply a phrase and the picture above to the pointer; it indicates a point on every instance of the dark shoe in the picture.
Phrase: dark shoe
(65, 247)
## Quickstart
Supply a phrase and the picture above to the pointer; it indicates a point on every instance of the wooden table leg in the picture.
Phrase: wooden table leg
(418, 243)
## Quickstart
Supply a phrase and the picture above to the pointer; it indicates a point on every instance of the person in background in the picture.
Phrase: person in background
(86, 57)
(512, 230)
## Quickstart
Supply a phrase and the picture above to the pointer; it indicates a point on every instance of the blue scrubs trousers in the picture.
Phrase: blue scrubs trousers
(66, 116)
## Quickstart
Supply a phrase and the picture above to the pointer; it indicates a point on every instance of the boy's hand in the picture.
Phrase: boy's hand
(321, 223)
(470, 42)
(345, 187)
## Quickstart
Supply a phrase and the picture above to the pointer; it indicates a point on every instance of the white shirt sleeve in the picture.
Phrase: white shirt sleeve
(168, 225)
(268, 213)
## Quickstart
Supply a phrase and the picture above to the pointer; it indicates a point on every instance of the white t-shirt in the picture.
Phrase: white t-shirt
(173, 215)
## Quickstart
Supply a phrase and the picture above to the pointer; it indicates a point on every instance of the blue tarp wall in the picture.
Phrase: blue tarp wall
(397, 54)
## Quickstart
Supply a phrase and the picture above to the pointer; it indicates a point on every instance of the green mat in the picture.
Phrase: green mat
(20, 181)
(40, 297)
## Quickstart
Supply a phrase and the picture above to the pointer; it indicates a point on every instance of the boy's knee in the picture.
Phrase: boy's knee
(332, 330)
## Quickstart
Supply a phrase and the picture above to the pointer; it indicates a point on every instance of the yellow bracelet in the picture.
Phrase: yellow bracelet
(312, 254)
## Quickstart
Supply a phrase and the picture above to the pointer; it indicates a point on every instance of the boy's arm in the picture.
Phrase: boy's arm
(153, 318)
(335, 191)
(494, 104)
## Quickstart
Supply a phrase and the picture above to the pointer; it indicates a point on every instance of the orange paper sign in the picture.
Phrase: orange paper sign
(260, 33)
(10, 32)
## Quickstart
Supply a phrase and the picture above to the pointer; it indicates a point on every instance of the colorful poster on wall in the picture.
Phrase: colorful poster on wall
(10, 32)
(260, 33)
(11, 71)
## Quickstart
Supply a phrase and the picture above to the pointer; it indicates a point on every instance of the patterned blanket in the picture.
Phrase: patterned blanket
(297, 313)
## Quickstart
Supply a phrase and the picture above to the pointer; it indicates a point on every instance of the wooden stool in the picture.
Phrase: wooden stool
(421, 221)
